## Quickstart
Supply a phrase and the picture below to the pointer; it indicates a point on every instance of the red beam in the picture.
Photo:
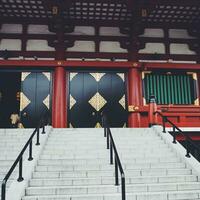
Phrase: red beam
(169, 66)
(67, 64)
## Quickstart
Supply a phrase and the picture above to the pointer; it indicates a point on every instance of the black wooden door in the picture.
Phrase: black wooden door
(35, 97)
(91, 93)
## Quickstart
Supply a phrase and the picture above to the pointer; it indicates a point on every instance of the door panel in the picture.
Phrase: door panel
(35, 97)
(91, 93)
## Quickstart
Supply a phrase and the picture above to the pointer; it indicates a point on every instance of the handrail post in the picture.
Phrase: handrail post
(43, 129)
(20, 178)
(152, 110)
(187, 150)
(123, 187)
(38, 136)
(30, 151)
(164, 121)
(108, 135)
(174, 135)
(3, 190)
(111, 153)
(116, 172)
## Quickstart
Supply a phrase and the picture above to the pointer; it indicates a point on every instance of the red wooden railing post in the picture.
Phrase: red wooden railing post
(152, 110)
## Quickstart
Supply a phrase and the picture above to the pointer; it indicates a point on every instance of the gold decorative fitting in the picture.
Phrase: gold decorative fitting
(194, 76)
(97, 76)
(136, 108)
(54, 10)
(59, 63)
(121, 75)
(196, 102)
(144, 101)
(131, 108)
(47, 74)
(70, 125)
(98, 125)
(24, 75)
(72, 75)
(72, 101)
(144, 12)
(144, 73)
(24, 101)
(122, 102)
(97, 101)
(135, 64)
(46, 101)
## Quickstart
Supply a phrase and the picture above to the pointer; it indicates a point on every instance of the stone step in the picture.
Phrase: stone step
(86, 150)
(111, 180)
(106, 161)
(110, 173)
(107, 166)
(96, 189)
(172, 195)
(103, 155)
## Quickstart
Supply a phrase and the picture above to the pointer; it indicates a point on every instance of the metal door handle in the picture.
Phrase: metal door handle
(93, 113)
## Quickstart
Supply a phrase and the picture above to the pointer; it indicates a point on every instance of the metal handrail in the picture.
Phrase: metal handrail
(19, 158)
(189, 141)
(111, 145)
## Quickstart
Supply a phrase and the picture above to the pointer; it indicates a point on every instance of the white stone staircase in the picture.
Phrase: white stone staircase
(74, 165)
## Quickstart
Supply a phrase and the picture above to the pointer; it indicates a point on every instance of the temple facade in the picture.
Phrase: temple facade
(75, 60)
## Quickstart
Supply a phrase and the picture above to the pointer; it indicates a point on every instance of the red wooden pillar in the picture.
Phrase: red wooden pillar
(134, 96)
(59, 109)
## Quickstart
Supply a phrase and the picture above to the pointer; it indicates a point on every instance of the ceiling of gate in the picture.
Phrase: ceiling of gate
(155, 13)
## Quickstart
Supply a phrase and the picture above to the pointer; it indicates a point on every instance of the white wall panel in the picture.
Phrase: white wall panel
(38, 29)
(83, 46)
(38, 45)
(149, 32)
(180, 49)
(179, 33)
(11, 28)
(110, 31)
(10, 44)
(153, 48)
(83, 30)
(111, 47)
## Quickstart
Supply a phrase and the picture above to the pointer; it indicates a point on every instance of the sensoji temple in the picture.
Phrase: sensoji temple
(74, 59)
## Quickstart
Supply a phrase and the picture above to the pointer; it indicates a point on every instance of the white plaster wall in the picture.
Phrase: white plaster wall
(180, 49)
(10, 44)
(111, 47)
(149, 32)
(11, 28)
(38, 45)
(83, 30)
(83, 46)
(153, 48)
(38, 29)
(179, 33)
(110, 31)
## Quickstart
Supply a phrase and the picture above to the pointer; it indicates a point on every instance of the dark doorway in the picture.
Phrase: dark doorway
(92, 93)
(10, 86)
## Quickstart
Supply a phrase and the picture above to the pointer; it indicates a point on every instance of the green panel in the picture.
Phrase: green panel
(169, 89)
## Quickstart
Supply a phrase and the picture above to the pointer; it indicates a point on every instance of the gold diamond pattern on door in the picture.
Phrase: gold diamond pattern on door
(46, 101)
(24, 101)
(97, 101)
(122, 102)
(72, 101)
